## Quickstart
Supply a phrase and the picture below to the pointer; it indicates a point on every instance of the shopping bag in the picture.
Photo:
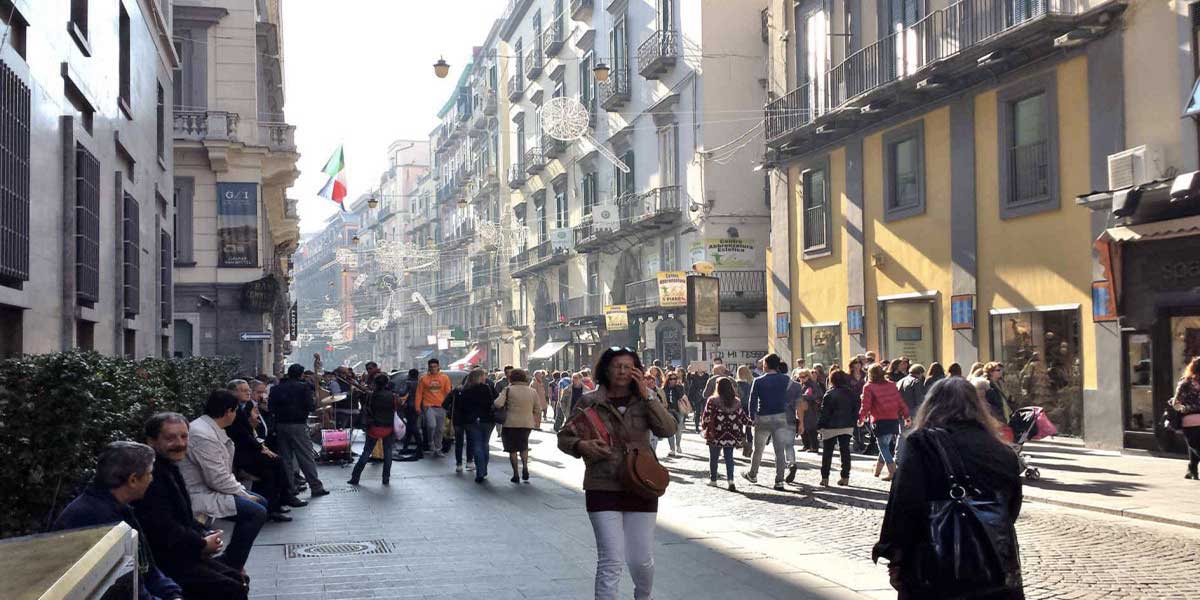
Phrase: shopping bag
(1045, 428)
(398, 426)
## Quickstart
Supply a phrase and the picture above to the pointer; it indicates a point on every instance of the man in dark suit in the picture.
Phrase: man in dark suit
(183, 547)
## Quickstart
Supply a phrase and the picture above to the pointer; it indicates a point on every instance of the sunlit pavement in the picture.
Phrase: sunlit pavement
(444, 536)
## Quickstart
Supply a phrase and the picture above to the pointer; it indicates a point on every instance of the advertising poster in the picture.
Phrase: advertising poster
(724, 253)
(704, 309)
(616, 317)
(237, 224)
(672, 289)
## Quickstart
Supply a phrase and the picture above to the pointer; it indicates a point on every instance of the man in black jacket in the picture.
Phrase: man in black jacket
(291, 402)
(183, 547)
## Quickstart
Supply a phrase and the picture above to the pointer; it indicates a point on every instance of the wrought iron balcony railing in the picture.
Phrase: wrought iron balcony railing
(516, 175)
(743, 290)
(553, 36)
(614, 91)
(658, 53)
(534, 61)
(516, 88)
(581, 10)
(534, 160)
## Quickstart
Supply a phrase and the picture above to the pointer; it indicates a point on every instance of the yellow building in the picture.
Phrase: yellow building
(931, 164)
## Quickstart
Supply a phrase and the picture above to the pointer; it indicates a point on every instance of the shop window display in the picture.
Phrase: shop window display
(822, 344)
(1042, 364)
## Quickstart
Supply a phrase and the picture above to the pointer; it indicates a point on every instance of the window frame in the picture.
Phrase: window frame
(1006, 100)
(125, 61)
(810, 250)
(77, 25)
(914, 131)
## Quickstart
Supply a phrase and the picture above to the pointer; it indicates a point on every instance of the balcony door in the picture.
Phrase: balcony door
(901, 16)
(813, 47)
(666, 15)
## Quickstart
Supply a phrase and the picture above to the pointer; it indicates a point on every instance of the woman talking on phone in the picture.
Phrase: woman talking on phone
(609, 425)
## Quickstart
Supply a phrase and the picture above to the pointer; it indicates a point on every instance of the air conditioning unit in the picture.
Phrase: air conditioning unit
(1135, 166)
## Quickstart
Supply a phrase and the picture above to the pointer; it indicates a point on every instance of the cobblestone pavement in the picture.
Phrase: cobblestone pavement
(1065, 553)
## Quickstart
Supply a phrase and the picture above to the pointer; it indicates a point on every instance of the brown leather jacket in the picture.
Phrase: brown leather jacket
(631, 430)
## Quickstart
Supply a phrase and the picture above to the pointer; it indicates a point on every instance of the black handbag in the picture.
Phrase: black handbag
(972, 546)
(500, 413)
(1172, 419)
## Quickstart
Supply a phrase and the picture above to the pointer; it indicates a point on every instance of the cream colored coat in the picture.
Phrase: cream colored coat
(208, 470)
(523, 404)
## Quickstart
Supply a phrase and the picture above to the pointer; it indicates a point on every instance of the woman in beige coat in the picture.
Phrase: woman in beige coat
(523, 414)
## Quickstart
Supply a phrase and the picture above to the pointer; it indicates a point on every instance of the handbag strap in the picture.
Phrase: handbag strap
(956, 477)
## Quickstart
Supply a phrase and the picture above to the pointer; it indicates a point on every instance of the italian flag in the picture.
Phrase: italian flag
(335, 168)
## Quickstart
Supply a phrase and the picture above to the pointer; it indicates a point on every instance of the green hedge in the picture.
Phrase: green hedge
(58, 410)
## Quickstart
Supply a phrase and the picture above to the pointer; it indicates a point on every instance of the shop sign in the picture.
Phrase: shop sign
(293, 321)
(783, 324)
(1104, 305)
(724, 253)
(616, 317)
(854, 319)
(672, 289)
(962, 311)
(704, 308)
(741, 356)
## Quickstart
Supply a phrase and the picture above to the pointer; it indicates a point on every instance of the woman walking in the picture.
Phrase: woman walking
(953, 427)
(622, 521)
(898, 369)
(858, 376)
(936, 373)
(474, 410)
(380, 407)
(884, 408)
(836, 424)
(997, 400)
(724, 424)
(1187, 402)
(808, 409)
(745, 379)
(523, 412)
(544, 386)
(679, 406)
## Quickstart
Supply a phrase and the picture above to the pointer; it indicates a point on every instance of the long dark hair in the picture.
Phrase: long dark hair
(936, 371)
(606, 359)
(727, 394)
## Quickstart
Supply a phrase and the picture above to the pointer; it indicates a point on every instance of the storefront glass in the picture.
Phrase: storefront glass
(909, 331)
(1139, 395)
(1185, 344)
(821, 344)
(1042, 364)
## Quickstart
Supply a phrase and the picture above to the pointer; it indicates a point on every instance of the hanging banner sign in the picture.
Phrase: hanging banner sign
(724, 253)
(605, 217)
(704, 309)
(293, 321)
(616, 317)
(672, 289)
(561, 240)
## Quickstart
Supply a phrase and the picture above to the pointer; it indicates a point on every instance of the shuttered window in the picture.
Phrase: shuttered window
(132, 263)
(165, 260)
(87, 227)
(14, 178)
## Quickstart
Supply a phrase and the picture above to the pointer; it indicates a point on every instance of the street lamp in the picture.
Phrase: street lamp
(441, 68)
(372, 202)
(601, 71)
(354, 240)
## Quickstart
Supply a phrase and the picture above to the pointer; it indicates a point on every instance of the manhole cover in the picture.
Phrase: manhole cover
(337, 549)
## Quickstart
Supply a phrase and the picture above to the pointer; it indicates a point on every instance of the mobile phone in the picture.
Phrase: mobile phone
(207, 521)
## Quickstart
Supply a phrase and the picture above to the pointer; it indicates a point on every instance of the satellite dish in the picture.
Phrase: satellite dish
(566, 119)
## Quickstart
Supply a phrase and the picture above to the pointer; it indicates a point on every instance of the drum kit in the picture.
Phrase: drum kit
(335, 439)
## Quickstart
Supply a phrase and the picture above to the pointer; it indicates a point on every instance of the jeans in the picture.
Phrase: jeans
(479, 435)
(434, 420)
(776, 429)
(886, 433)
(624, 538)
(1192, 436)
(676, 440)
(560, 415)
(460, 439)
(368, 448)
(714, 454)
(250, 517)
(843, 442)
(295, 448)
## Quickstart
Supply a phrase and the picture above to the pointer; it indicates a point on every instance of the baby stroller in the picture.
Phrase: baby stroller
(1029, 423)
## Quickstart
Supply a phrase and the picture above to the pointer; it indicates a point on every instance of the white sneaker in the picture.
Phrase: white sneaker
(671, 454)
(712, 482)
(471, 466)
(458, 468)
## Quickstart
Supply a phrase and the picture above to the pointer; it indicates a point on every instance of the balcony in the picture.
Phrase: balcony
(582, 307)
(481, 114)
(515, 319)
(940, 52)
(581, 10)
(587, 237)
(534, 161)
(516, 88)
(641, 295)
(516, 175)
(658, 53)
(487, 102)
(551, 147)
(534, 61)
(614, 92)
(655, 209)
(459, 236)
(744, 291)
(206, 125)
(529, 261)
(278, 137)
(553, 37)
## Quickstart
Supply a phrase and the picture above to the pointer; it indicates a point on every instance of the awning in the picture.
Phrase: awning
(475, 357)
(547, 350)
(423, 356)
(1155, 230)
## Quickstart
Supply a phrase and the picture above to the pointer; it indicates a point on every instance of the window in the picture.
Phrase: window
(125, 95)
(1040, 351)
(131, 245)
(666, 15)
(669, 253)
(14, 178)
(904, 171)
(593, 275)
(539, 211)
(164, 277)
(618, 44)
(185, 189)
(561, 209)
(816, 210)
(87, 227)
(15, 26)
(160, 116)
(625, 181)
(11, 331)
(520, 157)
(560, 89)
(183, 338)
(564, 287)
(588, 189)
(237, 224)
(537, 32)
(520, 64)
(908, 330)
(821, 344)
(78, 26)
(1028, 150)
(587, 83)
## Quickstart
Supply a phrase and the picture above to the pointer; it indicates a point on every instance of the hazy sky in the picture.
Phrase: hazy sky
(360, 73)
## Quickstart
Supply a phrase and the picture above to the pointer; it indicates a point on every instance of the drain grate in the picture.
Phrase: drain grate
(347, 490)
(327, 549)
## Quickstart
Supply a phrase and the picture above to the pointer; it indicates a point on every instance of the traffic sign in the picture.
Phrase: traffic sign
(255, 336)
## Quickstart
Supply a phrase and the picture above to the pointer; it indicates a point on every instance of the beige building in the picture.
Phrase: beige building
(235, 157)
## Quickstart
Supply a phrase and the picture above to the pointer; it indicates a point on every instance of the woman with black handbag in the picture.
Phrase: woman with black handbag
(948, 531)
(1187, 404)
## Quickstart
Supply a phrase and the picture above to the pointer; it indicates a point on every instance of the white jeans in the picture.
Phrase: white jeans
(624, 538)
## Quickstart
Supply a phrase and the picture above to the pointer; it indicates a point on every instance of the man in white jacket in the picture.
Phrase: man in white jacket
(208, 474)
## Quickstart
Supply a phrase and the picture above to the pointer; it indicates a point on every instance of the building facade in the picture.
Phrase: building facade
(235, 158)
(931, 174)
(86, 224)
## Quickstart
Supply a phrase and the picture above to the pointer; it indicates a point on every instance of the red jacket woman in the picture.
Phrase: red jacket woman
(882, 402)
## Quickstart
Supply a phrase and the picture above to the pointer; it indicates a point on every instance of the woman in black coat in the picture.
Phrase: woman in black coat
(839, 414)
(473, 414)
(378, 419)
(252, 457)
(954, 418)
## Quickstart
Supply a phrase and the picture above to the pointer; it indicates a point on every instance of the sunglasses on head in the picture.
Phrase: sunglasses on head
(620, 348)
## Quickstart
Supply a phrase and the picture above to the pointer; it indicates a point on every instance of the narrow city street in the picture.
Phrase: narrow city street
(435, 534)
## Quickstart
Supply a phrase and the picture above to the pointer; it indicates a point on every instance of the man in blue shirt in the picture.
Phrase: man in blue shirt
(768, 409)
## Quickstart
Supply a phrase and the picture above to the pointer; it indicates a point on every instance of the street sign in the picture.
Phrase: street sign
(255, 336)
(293, 321)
